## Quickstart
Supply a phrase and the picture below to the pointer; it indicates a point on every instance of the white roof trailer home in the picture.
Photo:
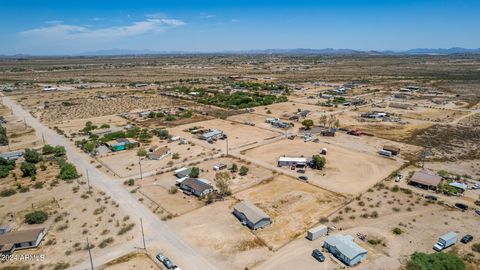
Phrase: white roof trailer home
(292, 161)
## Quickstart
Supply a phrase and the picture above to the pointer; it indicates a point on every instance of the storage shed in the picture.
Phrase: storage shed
(251, 215)
(425, 179)
(315, 233)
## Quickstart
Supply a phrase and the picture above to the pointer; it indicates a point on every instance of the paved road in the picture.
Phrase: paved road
(157, 232)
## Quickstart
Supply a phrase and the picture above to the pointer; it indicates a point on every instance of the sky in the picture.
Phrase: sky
(50, 27)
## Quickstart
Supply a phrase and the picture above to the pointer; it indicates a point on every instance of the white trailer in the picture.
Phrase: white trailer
(385, 153)
(315, 233)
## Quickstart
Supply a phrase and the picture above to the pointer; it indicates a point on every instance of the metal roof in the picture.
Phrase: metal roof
(251, 212)
(25, 236)
(345, 245)
(293, 159)
(426, 178)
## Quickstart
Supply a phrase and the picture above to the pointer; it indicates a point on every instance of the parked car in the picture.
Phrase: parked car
(431, 197)
(467, 238)
(477, 211)
(300, 171)
(160, 257)
(317, 254)
(476, 186)
(168, 264)
(461, 206)
(176, 268)
(303, 178)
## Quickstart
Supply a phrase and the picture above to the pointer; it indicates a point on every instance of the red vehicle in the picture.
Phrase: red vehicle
(354, 132)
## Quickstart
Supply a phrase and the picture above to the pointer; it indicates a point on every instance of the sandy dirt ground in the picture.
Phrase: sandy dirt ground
(68, 224)
(74, 126)
(20, 135)
(346, 171)
(239, 135)
(216, 233)
(294, 207)
(138, 261)
(280, 109)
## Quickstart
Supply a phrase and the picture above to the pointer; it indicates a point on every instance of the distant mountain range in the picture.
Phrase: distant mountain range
(298, 51)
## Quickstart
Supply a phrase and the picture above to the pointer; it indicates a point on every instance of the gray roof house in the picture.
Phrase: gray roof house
(196, 186)
(251, 215)
(12, 155)
(12, 241)
(182, 172)
(343, 248)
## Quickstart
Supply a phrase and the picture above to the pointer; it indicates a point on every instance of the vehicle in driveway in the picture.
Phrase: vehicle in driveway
(168, 264)
(317, 254)
(476, 186)
(477, 211)
(461, 206)
(303, 178)
(300, 171)
(431, 197)
(467, 238)
(160, 257)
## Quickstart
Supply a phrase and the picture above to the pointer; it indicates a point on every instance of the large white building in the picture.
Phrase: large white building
(292, 161)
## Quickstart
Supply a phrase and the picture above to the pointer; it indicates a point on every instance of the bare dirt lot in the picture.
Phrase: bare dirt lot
(294, 207)
(218, 235)
(346, 171)
(132, 261)
(20, 134)
(75, 125)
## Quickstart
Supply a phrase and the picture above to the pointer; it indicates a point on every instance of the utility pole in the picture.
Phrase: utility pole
(227, 145)
(90, 254)
(88, 180)
(43, 138)
(143, 235)
(140, 165)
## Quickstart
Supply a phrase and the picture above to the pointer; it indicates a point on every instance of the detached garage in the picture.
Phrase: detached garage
(251, 215)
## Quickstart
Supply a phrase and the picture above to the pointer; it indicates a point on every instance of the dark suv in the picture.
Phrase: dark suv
(317, 254)
(461, 206)
(467, 238)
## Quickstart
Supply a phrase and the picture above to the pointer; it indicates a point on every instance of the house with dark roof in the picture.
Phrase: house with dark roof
(196, 186)
(160, 153)
(343, 248)
(251, 215)
(425, 179)
(12, 241)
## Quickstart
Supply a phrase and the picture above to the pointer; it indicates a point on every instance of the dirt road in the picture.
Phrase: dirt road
(157, 232)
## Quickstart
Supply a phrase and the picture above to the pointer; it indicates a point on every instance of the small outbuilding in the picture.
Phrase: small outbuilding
(345, 249)
(160, 153)
(182, 172)
(251, 215)
(315, 233)
(425, 179)
(392, 149)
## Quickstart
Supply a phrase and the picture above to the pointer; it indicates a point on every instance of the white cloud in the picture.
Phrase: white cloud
(206, 16)
(58, 30)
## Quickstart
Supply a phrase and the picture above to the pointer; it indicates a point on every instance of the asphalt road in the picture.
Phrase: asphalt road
(157, 232)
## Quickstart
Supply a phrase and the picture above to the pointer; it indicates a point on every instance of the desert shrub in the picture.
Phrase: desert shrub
(476, 247)
(7, 192)
(32, 156)
(397, 231)
(318, 162)
(173, 190)
(68, 171)
(106, 242)
(423, 261)
(126, 229)
(28, 169)
(194, 173)
(36, 217)
(129, 182)
(243, 170)
(38, 185)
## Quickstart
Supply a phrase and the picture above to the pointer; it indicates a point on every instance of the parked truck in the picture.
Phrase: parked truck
(445, 241)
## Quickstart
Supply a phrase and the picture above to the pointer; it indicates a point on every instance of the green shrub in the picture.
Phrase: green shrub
(36, 217)
(397, 231)
(435, 261)
(68, 171)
